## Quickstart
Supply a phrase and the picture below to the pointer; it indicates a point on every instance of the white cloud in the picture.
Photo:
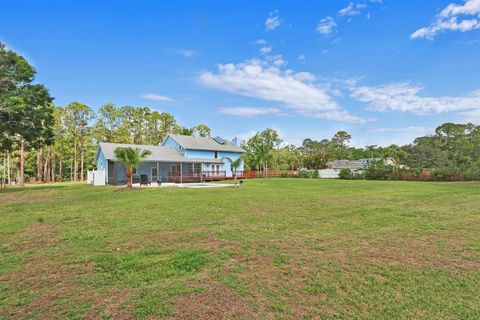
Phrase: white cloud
(266, 81)
(265, 50)
(261, 42)
(336, 40)
(361, 6)
(249, 112)
(273, 21)
(278, 62)
(302, 58)
(156, 97)
(454, 17)
(187, 53)
(471, 116)
(405, 98)
(351, 9)
(326, 25)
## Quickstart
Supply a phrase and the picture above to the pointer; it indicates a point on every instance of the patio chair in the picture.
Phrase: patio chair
(144, 180)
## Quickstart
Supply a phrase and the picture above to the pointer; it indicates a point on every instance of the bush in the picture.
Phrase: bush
(304, 174)
(314, 174)
(345, 174)
(473, 171)
(284, 175)
(378, 170)
(449, 174)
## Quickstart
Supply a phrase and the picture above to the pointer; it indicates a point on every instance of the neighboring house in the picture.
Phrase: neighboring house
(334, 167)
(179, 158)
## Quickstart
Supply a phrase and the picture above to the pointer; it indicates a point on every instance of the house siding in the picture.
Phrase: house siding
(209, 154)
(170, 142)
(226, 165)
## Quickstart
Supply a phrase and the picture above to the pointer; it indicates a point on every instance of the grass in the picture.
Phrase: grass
(273, 249)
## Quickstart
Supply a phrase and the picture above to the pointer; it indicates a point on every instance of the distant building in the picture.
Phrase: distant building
(334, 167)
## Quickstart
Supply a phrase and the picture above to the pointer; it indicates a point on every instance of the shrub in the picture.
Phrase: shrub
(284, 175)
(304, 174)
(314, 174)
(345, 174)
(449, 174)
(378, 170)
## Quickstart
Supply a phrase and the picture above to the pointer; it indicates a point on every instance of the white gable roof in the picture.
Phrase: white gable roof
(159, 153)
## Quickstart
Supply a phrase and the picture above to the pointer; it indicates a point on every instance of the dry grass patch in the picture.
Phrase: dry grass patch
(213, 302)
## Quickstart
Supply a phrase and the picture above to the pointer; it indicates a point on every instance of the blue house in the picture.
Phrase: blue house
(178, 158)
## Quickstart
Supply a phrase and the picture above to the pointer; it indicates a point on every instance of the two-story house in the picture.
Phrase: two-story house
(178, 158)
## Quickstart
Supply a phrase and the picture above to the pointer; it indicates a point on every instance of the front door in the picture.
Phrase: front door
(215, 168)
(112, 170)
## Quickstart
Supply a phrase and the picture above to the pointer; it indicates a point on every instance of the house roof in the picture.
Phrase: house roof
(203, 143)
(351, 164)
(347, 164)
(159, 153)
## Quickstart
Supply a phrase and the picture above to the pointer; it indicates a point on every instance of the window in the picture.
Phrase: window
(154, 174)
(215, 154)
(175, 169)
(197, 168)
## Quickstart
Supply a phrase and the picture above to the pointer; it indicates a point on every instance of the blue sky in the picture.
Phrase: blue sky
(385, 71)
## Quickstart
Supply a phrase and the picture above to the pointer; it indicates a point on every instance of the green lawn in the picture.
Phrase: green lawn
(273, 249)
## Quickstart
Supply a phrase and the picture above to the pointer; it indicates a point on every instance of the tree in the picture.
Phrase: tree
(259, 148)
(77, 118)
(202, 130)
(378, 170)
(130, 158)
(340, 142)
(26, 113)
(135, 120)
(158, 126)
(235, 165)
(30, 121)
(187, 131)
(316, 154)
(108, 126)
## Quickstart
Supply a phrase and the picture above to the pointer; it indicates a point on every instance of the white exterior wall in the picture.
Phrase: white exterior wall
(329, 173)
(96, 177)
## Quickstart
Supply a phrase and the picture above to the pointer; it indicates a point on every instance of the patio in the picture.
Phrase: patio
(185, 185)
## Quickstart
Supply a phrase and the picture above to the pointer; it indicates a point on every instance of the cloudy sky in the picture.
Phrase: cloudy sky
(385, 71)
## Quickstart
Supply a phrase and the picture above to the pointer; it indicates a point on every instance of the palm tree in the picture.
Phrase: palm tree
(235, 165)
(130, 158)
(263, 154)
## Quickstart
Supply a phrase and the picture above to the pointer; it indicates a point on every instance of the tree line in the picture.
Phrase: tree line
(451, 153)
(43, 142)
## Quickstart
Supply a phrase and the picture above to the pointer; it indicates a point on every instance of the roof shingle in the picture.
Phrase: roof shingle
(159, 153)
(203, 143)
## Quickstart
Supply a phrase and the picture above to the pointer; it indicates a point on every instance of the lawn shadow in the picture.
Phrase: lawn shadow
(14, 189)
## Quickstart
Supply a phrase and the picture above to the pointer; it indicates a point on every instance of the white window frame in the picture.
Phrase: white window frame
(215, 154)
